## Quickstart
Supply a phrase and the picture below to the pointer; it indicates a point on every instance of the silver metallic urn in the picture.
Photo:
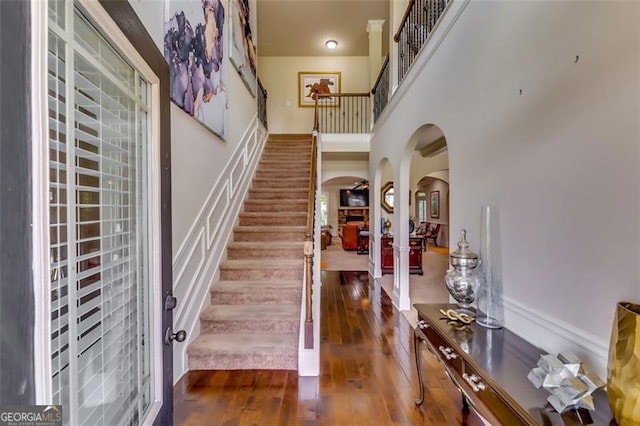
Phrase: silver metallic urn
(462, 280)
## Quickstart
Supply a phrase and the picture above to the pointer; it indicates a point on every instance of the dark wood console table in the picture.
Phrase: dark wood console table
(490, 368)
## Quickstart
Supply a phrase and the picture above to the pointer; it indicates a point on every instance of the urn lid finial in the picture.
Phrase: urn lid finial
(463, 256)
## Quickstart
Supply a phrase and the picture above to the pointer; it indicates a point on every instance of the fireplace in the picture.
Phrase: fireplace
(355, 218)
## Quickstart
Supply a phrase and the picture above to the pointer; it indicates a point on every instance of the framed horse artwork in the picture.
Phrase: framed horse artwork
(311, 83)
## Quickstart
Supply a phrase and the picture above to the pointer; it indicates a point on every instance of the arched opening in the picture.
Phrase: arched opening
(432, 208)
(337, 208)
(420, 205)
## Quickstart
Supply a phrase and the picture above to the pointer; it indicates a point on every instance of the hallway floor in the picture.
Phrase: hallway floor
(368, 375)
(426, 288)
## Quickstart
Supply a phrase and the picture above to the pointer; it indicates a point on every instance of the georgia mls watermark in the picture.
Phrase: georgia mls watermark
(31, 415)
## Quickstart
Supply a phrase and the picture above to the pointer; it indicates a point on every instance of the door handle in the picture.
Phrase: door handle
(170, 336)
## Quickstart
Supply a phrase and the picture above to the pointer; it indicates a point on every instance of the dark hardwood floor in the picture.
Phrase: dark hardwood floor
(368, 375)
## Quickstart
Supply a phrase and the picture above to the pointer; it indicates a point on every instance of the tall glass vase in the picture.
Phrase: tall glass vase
(489, 296)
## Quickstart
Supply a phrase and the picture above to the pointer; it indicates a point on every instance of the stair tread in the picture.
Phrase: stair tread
(275, 214)
(232, 343)
(271, 179)
(278, 190)
(247, 263)
(255, 284)
(280, 201)
(268, 228)
(263, 312)
(274, 245)
(293, 162)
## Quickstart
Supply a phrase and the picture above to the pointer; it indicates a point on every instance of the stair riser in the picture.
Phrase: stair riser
(267, 236)
(256, 194)
(265, 253)
(247, 296)
(292, 159)
(261, 274)
(283, 220)
(216, 361)
(285, 154)
(280, 183)
(282, 174)
(282, 171)
(285, 163)
(242, 325)
(275, 207)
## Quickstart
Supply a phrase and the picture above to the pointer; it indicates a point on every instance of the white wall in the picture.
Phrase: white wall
(560, 160)
(279, 75)
(197, 155)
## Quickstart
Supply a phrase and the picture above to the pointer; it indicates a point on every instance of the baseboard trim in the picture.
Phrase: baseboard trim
(554, 335)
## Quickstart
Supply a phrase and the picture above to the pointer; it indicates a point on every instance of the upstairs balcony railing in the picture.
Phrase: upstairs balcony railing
(415, 28)
(262, 104)
(380, 90)
(343, 113)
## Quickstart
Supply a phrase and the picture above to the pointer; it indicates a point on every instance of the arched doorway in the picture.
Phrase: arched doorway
(431, 208)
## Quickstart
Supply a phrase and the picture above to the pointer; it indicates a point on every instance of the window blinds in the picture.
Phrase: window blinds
(98, 138)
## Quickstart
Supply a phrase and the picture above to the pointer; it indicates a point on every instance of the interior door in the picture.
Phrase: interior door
(108, 224)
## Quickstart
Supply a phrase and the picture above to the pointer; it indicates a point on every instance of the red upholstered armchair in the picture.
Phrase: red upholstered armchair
(349, 235)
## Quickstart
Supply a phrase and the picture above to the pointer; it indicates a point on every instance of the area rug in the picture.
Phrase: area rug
(335, 258)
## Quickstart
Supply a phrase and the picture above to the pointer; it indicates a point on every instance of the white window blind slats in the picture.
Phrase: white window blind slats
(93, 91)
(104, 53)
(58, 227)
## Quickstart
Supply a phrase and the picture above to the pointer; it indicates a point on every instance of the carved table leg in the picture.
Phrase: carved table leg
(417, 341)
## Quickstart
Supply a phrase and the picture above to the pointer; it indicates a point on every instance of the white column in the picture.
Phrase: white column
(401, 234)
(375, 233)
(374, 28)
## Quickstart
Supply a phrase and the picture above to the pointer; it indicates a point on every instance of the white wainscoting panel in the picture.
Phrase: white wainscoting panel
(220, 205)
(198, 259)
(553, 335)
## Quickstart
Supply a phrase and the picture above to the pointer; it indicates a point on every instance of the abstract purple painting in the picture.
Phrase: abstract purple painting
(242, 50)
(194, 50)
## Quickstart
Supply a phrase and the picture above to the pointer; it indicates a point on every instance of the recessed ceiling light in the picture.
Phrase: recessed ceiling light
(331, 44)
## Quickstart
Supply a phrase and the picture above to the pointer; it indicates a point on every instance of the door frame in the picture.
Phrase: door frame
(132, 28)
(126, 20)
(17, 306)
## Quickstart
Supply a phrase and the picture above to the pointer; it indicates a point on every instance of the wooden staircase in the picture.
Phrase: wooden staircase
(254, 318)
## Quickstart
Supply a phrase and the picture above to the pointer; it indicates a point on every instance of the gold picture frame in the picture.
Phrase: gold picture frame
(312, 82)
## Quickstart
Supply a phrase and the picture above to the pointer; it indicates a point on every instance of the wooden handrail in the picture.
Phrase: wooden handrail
(316, 123)
(396, 36)
(380, 74)
(308, 245)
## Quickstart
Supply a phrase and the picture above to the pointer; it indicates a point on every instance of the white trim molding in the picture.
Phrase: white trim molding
(554, 335)
(40, 197)
(198, 259)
